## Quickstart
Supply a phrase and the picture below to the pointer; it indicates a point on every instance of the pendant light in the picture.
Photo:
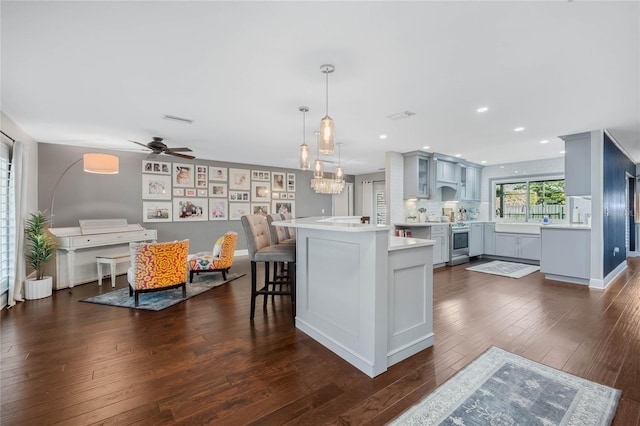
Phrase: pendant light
(326, 124)
(318, 171)
(339, 171)
(304, 148)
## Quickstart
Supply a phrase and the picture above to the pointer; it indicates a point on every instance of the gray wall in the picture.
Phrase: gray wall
(357, 193)
(89, 196)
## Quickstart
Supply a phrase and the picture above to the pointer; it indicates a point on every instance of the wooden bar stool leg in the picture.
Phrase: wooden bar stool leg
(253, 289)
(266, 283)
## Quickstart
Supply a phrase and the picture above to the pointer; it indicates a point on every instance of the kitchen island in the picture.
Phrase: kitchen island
(366, 296)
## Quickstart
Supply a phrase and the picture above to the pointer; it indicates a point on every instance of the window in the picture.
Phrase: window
(530, 200)
(6, 228)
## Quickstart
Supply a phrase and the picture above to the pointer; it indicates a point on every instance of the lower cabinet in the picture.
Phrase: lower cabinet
(476, 239)
(440, 233)
(489, 239)
(517, 245)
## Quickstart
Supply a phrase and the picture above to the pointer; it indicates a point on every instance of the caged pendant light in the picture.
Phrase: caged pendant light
(326, 124)
(304, 148)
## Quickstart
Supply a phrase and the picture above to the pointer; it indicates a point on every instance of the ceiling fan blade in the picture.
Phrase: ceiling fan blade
(179, 149)
(176, 154)
(141, 144)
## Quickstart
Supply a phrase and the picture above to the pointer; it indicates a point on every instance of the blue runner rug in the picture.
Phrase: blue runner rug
(500, 388)
(159, 300)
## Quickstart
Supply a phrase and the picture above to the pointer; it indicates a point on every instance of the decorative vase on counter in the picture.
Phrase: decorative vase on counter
(422, 218)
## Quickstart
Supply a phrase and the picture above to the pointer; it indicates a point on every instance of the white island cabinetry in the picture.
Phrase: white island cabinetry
(566, 253)
(364, 295)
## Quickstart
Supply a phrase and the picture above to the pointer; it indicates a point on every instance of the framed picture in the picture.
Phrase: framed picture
(190, 192)
(283, 207)
(260, 208)
(291, 182)
(157, 167)
(183, 175)
(218, 173)
(291, 196)
(260, 191)
(203, 192)
(239, 179)
(284, 196)
(277, 182)
(218, 190)
(190, 209)
(178, 192)
(156, 211)
(237, 210)
(156, 187)
(218, 210)
(275, 195)
(238, 195)
(260, 175)
(201, 177)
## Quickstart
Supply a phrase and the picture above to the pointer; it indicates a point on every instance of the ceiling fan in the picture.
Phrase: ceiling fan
(159, 147)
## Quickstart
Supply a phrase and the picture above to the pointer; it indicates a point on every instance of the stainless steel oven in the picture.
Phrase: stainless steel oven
(459, 244)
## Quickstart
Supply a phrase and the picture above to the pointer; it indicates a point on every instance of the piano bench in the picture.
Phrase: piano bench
(112, 261)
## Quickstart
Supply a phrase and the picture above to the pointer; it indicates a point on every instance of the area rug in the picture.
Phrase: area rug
(500, 388)
(506, 269)
(156, 301)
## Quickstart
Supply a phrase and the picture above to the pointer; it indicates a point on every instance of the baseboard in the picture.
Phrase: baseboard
(244, 252)
(602, 284)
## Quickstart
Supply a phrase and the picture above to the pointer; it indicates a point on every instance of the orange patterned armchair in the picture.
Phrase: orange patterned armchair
(218, 260)
(157, 266)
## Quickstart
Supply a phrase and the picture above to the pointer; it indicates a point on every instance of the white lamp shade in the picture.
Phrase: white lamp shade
(325, 144)
(103, 164)
(304, 156)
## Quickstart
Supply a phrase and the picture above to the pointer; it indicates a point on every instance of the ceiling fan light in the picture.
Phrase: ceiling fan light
(326, 143)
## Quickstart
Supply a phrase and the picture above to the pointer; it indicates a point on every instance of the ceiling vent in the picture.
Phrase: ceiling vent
(401, 115)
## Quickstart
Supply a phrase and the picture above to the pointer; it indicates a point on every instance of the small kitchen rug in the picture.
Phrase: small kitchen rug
(506, 269)
(159, 300)
(500, 388)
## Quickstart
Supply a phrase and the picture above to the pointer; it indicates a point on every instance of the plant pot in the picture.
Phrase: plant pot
(38, 289)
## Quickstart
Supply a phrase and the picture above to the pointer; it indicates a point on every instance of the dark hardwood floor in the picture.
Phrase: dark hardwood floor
(203, 362)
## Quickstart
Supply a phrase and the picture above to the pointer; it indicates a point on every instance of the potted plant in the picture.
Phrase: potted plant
(41, 250)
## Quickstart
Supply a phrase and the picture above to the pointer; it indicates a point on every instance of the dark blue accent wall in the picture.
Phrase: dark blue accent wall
(616, 164)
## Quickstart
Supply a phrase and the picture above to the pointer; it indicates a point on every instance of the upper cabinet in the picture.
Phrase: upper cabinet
(577, 164)
(446, 172)
(416, 175)
(470, 180)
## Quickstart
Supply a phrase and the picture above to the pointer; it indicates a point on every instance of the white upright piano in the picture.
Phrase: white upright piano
(78, 247)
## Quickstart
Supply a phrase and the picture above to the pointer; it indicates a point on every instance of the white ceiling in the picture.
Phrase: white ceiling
(98, 74)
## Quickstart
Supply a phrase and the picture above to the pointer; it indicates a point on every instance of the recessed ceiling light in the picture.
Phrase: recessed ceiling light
(518, 129)
(483, 109)
(458, 155)
(544, 141)
(502, 167)
(483, 162)
(425, 147)
(383, 136)
(563, 152)
(515, 171)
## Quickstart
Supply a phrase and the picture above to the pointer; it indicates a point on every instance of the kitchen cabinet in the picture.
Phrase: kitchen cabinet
(517, 246)
(489, 239)
(566, 254)
(577, 164)
(447, 171)
(470, 181)
(440, 233)
(416, 175)
(476, 239)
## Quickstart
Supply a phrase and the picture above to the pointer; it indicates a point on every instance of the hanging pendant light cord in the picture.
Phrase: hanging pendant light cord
(327, 86)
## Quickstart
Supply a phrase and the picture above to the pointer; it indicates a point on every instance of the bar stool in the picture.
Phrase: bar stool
(256, 231)
(279, 235)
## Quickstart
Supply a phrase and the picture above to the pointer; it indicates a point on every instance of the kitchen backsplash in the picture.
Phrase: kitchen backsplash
(434, 208)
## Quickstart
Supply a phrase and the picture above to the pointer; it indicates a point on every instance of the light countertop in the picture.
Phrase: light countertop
(573, 226)
(333, 223)
(400, 243)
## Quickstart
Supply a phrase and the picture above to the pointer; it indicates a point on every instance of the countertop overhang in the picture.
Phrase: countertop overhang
(337, 223)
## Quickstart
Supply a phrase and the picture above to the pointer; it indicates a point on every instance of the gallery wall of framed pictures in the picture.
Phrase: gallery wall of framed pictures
(180, 192)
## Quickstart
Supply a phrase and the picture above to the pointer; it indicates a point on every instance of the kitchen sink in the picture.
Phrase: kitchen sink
(518, 227)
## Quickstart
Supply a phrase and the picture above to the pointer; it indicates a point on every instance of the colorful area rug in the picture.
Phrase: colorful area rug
(506, 269)
(156, 301)
(500, 388)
